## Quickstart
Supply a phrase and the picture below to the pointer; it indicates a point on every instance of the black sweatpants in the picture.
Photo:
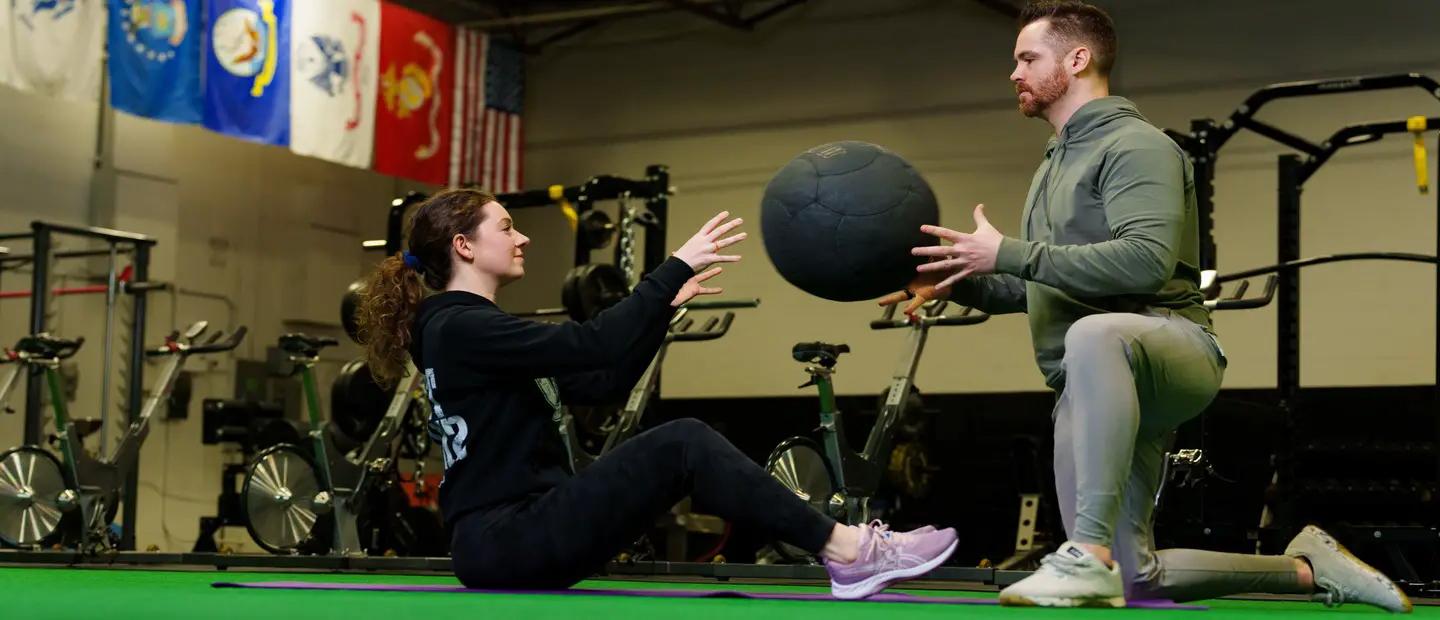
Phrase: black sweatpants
(567, 534)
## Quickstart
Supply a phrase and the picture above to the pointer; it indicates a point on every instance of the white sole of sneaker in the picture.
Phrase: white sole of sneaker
(1060, 601)
(875, 583)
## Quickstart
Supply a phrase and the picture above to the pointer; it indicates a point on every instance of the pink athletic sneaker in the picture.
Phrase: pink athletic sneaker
(889, 557)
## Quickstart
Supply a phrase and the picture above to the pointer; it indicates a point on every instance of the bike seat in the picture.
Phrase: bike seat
(85, 427)
(301, 344)
(46, 346)
(819, 353)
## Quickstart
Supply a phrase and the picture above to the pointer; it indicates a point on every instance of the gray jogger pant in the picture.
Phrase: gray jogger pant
(1130, 381)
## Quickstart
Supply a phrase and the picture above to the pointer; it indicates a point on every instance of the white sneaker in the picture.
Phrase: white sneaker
(1070, 577)
(1341, 577)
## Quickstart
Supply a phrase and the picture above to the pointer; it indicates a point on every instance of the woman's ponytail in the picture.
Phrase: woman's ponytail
(388, 304)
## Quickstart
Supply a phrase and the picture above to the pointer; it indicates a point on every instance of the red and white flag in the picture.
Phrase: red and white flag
(334, 56)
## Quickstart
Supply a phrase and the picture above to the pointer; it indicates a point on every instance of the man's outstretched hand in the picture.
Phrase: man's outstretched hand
(966, 255)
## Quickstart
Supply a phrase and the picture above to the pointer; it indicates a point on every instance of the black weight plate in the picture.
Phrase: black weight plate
(596, 230)
(357, 401)
(350, 308)
(588, 289)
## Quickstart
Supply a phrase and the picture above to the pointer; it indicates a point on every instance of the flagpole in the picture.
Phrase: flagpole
(102, 170)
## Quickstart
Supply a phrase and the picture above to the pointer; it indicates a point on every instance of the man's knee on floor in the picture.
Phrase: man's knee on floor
(1144, 574)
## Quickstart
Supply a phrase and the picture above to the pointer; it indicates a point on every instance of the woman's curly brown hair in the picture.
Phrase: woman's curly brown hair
(393, 292)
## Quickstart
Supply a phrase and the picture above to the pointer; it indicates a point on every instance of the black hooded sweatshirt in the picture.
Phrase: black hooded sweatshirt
(496, 383)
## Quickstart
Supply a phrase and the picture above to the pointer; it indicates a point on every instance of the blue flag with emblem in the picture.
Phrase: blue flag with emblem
(247, 69)
(155, 59)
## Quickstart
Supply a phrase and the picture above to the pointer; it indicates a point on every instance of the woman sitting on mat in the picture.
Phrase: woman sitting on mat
(496, 382)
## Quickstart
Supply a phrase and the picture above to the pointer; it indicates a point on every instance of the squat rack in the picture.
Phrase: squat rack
(1203, 145)
(654, 189)
(42, 236)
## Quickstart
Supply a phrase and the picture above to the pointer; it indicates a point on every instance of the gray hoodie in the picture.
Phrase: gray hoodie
(1109, 226)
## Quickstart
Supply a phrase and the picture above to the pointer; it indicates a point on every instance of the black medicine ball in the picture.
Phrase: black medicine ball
(840, 219)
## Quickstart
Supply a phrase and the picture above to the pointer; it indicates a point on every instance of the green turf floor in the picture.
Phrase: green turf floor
(93, 593)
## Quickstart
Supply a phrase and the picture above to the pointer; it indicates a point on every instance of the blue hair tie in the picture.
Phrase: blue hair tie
(412, 261)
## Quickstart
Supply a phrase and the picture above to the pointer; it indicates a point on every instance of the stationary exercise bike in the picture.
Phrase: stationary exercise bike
(614, 429)
(836, 479)
(621, 426)
(73, 501)
(323, 500)
(12, 378)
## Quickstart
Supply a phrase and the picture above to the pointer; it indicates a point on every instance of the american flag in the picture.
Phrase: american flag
(487, 134)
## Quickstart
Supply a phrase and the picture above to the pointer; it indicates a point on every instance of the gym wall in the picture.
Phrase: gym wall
(277, 235)
(726, 109)
(248, 234)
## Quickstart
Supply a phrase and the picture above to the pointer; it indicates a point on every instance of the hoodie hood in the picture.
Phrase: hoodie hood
(432, 305)
(1094, 115)
(446, 299)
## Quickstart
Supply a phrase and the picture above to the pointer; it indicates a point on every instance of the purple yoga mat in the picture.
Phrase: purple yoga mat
(774, 596)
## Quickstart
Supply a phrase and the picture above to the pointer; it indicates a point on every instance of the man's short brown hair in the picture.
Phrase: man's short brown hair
(1073, 24)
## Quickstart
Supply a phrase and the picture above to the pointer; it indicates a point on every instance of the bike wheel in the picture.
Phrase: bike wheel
(279, 494)
(31, 482)
(799, 465)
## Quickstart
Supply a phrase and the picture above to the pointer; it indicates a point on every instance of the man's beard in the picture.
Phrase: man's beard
(1043, 94)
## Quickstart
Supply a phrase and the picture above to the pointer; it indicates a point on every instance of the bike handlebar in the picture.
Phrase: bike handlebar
(714, 327)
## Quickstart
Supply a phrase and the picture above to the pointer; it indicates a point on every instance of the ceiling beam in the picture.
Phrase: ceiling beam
(560, 35)
(1008, 8)
(726, 17)
(578, 15)
(570, 22)
(773, 10)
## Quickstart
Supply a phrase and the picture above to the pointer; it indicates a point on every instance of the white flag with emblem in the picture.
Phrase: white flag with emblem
(52, 47)
(335, 55)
